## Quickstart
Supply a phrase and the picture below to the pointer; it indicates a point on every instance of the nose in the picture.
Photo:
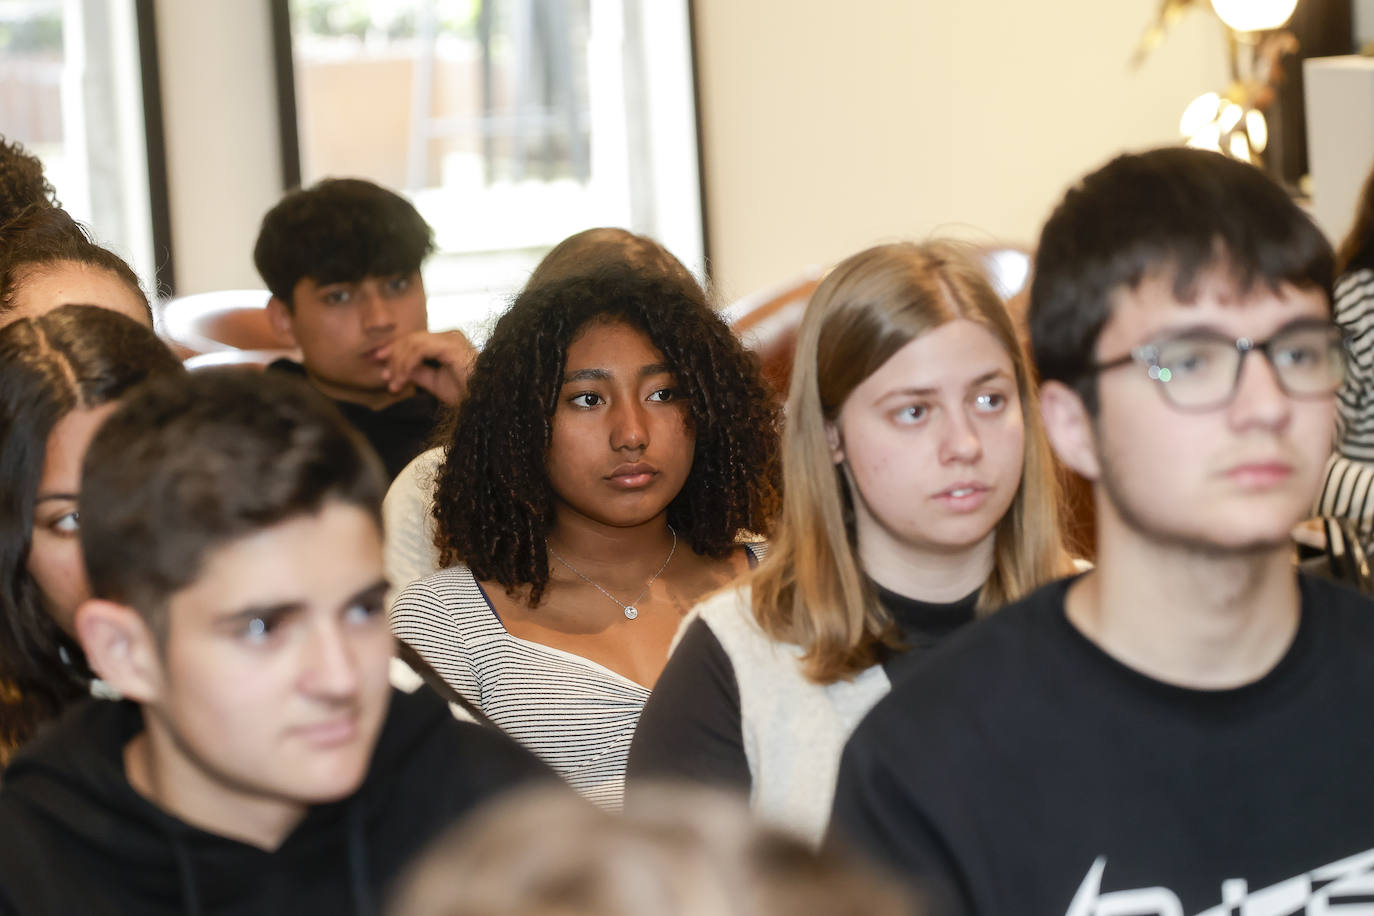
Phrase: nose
(330, 669)
(374, 309)
(959, 441)
(629, 426)
(1260, 399)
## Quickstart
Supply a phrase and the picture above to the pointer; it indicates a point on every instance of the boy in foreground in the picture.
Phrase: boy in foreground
(260, 762)
(1180, 730)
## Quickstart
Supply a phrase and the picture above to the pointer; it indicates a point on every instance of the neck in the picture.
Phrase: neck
(159, 769)
(371, 398)
(925, 575)
(1193, 619)
(591, 545)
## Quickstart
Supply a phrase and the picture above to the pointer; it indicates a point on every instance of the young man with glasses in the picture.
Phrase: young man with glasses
(1182, 729)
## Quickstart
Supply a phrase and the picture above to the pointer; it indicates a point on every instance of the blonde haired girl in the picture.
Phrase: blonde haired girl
(919, 493)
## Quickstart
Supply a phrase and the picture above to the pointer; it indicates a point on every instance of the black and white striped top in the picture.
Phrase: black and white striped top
(1354, 311)
(1349, 488)
(576, 714)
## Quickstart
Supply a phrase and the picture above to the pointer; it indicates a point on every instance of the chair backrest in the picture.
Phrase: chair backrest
(225, 327)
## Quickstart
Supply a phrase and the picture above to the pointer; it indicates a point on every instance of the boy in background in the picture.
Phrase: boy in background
(342, 260)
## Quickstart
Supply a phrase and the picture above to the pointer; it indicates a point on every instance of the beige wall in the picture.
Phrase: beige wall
(223, 160)
(827, 125)
(831, 126)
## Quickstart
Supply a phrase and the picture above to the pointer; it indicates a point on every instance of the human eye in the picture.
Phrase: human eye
(67, 525)
(1303, 350)
(1182, 358)
(586, 400)
(664, 395)
(399, 284)
(990, 401)
(259, 629)
(337, 295)
(910, 414)
(363, 610)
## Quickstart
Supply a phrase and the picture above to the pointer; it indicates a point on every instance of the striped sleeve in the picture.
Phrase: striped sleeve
(422, 619)
(1354, 312)
(1348, 492)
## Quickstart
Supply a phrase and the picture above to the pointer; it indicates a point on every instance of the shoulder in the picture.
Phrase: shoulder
(729, 616)
(453, 583)
(985, 667)
(425, 745)
(1340, 605)
(415, 483)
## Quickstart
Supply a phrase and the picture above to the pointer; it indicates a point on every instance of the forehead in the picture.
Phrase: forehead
(952, 356)
(1216, 301)
(67, 444)
(51, 286)
(316, 559)
(605, 343)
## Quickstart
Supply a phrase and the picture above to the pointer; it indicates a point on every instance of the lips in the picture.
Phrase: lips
(962, 490)
(632, 476)
(372, 355)
(1259, 474)
(329, 733)
(965, 496)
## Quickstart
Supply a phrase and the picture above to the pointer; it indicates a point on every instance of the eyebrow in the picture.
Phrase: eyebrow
(47, 497)
(925, 392)
(1211, 330)
(375, 591)
(605, 375)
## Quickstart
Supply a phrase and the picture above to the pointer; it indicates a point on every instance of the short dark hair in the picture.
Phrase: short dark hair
(76, 356)
(339, 231)
(184, 466)
(493, 502)
(44, 236)
(1175, 210)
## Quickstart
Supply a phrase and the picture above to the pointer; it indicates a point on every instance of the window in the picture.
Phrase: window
(510, 124)
(72, 77)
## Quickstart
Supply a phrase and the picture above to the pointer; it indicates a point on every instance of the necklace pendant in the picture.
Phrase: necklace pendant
(631, 612)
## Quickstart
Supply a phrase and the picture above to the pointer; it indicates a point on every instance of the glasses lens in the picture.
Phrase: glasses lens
(1309, 360)
(1196, 372)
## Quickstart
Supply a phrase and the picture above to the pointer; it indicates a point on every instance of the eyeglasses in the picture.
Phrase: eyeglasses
(1200, 370)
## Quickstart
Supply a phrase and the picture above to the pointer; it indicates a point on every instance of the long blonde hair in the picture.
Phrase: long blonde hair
(811, 590)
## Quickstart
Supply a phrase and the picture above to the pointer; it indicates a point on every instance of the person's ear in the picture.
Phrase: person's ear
(120, 648)
(834, 442)
(1069, 428)
(280, 317)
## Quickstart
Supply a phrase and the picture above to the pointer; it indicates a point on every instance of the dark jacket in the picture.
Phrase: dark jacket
(76, 838)
(398, 432)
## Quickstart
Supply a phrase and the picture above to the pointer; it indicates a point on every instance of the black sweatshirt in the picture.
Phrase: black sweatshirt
(75, 838)
(1023, 770)
(398, 432)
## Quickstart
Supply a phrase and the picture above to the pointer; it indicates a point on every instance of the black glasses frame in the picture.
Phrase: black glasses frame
(1148, 355)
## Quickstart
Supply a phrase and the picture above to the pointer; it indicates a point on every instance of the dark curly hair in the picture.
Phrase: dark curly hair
(22, 182)
(44, 236)
(493, 503)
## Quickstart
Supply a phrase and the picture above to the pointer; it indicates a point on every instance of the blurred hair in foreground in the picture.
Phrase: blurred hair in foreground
(683, 851)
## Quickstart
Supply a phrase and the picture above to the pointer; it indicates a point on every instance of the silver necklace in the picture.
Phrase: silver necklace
(631, 612)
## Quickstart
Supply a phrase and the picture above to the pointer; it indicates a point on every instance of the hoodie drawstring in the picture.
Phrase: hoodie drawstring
(357, 861)
(190, 896)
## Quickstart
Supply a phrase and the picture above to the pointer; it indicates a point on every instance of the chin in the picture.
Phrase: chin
(329, 784)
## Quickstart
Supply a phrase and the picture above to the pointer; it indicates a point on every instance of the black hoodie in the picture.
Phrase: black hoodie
(76, 838)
